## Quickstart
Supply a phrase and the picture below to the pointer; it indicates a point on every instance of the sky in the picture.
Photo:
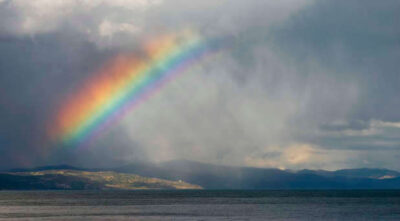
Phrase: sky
(300, 83)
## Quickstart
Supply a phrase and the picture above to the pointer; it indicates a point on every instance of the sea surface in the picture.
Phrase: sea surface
(200, 205)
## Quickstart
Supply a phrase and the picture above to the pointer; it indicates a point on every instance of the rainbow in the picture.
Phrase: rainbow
(123, 83)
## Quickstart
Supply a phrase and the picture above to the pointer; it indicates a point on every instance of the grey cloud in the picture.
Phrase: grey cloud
(358, 41)
(300, 78)
(36, 74)
(341, 126)
(358, 44)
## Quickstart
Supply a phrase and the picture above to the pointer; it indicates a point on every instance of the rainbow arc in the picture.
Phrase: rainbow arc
(125, 82)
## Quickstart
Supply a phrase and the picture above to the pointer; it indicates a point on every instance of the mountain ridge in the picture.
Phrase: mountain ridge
(211, 176)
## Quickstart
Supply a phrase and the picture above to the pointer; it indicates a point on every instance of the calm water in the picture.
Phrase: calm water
(200, 205)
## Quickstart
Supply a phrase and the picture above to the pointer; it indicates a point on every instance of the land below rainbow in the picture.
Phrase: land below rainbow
(183, 174)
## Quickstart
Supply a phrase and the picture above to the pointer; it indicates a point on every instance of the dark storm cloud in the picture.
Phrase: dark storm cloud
(360, 41)
(304, 84)
(36, 75)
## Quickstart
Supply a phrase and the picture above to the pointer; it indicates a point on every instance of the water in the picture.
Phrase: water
(200, 205)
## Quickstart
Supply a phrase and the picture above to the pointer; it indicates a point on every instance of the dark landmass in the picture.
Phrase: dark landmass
(356, 173)
(208, 176)
(84, 180)
(223, 177)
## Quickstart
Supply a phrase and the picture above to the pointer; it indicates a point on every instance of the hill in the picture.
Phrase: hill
(84, 180)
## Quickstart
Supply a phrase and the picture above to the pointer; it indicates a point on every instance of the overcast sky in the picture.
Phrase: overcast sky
(305, 84)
